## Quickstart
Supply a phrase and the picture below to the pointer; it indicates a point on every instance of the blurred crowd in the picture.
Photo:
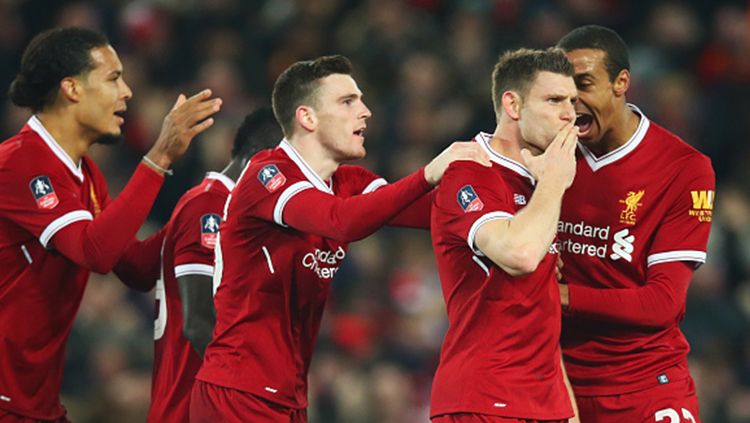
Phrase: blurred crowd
(424, 67)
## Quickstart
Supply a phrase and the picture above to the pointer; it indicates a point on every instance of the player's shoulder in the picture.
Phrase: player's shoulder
(356, 180)
(25, 157)
(269, 174)
(673, 149)
(23, 150)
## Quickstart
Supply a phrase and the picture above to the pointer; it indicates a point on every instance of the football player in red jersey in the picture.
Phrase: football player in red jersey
(287, 228)
(57, 222)
(184, 291)
(633, 227)
(493, 232)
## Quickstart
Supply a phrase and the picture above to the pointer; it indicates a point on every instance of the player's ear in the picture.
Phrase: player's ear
(511, 102)
(306, 118)
(621, 83)
(71, 88)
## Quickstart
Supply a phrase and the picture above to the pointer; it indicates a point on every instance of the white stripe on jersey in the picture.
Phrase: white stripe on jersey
(193, 269)
(268, 259)
(683, 255)
(374, 185)
(481, 264)
(481, 221)
(62, 222)
(294, 189)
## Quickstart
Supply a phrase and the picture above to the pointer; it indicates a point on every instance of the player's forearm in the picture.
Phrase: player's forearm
(657, 304)
(524, 243)
(351, 219)
(199, 316)
(417, 214)
(139, 266)
(99, 244)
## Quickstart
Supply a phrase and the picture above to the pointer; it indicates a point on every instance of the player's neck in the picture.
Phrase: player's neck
(66, 133)
(624, 125)
(316, 156)
(506, 141)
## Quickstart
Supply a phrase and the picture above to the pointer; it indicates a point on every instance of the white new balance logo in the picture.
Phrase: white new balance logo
(623, 246)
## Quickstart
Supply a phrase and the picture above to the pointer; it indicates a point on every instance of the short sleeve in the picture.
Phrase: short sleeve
(468, 196)
(194, 232)
(42, 201)
(683, 233)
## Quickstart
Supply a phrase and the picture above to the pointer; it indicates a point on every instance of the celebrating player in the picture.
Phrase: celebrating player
(493, 231)
(288, 224)
(633, 227)
(56, 220)
(184, 290)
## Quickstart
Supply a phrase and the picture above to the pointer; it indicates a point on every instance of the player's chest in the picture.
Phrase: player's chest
(317, 261)
(610, 215)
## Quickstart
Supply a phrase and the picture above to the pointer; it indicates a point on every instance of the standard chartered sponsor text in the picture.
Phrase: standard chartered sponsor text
(318, 260)
(592, 249)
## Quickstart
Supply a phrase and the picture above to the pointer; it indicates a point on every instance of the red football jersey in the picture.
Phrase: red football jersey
(501, 354)
(42, 191)
(188, 250)
(271, 281)
(647, 202)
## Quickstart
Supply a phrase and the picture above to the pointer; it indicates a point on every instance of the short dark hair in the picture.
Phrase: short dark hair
(599, 38)
(258, 131)
(297, 85)
(51, 56)
(516, 70)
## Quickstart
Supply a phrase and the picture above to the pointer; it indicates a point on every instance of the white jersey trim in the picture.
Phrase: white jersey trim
(193, 269)
(596, 163)
(309, 173)
(483, 138)
(481, 221)
(62, 222)
(294, 189)
(224, 179)
(683, 255)
(374, 185)
(36, 125)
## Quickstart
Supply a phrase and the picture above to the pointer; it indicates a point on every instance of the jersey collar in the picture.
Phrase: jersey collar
(483, 138)
(596, 163)
(305, 168)
(224, 179)
(36, 125)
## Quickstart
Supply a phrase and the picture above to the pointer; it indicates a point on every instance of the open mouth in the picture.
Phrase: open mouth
(120, 114)
(360, 132)
(584, 122)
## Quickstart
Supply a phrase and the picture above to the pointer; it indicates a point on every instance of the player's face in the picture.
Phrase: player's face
(596, 98)
(104, 95)
(547, 108)
(341, 117)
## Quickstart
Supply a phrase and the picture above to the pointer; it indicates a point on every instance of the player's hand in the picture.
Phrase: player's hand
(558, 268)
(564, 295)
(188, 118)
(558, 163)
(459, 150)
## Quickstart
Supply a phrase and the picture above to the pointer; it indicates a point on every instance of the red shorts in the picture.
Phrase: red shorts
(211, 403)
(8, 417)
(485, 418)
(674, 402)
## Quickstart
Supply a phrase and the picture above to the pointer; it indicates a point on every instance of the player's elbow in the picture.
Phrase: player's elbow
(517, 261)
(661, 319)
(100, 266)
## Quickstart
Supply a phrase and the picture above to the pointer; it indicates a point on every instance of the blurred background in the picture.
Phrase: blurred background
(424, 66)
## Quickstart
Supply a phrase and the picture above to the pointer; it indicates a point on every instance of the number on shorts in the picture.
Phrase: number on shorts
(673, 416)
